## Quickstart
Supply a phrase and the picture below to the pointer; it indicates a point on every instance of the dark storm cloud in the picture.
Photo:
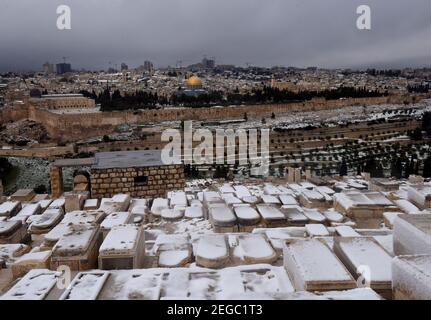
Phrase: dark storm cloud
(261, 32)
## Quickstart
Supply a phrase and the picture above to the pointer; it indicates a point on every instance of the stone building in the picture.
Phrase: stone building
(137, 173)
(63, 101)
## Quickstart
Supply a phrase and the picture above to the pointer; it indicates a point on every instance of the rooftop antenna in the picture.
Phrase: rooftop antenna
(64, 59)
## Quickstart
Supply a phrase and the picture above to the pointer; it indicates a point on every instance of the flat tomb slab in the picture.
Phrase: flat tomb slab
(35, 285)
(85, 286)
(314, 267)
(358, 253)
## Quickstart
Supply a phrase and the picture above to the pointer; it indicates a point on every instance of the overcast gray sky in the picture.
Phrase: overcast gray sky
(261, 32)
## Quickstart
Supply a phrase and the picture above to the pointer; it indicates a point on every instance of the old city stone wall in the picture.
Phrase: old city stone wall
(160, 180)
(68, 127)
(9, 114)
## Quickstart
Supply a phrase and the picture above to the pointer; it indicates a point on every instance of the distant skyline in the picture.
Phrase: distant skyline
(298, 33)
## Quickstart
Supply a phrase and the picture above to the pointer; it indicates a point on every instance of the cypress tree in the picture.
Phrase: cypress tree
(343, 168)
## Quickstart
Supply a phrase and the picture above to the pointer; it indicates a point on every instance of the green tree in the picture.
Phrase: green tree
(427, 168)
(343, 168)
(397, 168)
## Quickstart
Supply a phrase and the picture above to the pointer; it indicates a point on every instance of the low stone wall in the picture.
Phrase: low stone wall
(52, 152)
(159, 180)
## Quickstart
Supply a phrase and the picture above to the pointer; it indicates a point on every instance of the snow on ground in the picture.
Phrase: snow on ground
(198, 283)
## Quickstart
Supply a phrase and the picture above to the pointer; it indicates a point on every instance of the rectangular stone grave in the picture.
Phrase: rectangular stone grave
(114, 219)
(78, 248)
(29, 261)
(312, 266)
(86, 285)
(46, 221)
(411, 277)
(123, 248)
(271, 216)
(364, 256)
(412, 234)
(13, 232)
(35, 285)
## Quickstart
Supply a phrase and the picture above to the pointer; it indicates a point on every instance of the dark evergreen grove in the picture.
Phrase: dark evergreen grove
(5, 167)
(147, 100)
(420, 88)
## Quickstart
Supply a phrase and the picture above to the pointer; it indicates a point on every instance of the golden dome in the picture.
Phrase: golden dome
(194, 81)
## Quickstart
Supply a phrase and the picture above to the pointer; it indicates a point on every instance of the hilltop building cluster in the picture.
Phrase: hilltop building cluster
(345, 212)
